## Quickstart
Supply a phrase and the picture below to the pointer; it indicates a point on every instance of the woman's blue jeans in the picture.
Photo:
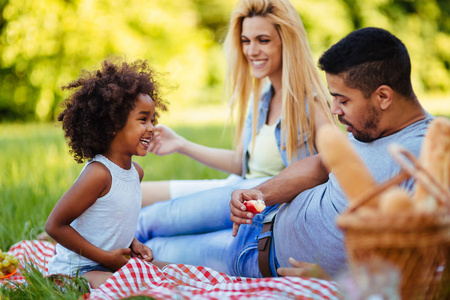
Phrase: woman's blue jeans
(196, 230)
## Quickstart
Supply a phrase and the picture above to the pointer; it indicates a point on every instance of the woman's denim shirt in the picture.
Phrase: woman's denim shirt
(263, 109)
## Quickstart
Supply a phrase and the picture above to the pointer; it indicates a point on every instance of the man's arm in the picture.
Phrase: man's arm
(296, 178)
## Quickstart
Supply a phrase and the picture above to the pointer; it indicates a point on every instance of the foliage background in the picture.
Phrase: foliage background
(45, 44)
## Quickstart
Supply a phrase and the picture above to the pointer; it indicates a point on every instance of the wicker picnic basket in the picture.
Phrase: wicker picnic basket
(416, 243)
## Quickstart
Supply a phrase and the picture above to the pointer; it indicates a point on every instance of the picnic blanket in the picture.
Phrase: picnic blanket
(181, 281)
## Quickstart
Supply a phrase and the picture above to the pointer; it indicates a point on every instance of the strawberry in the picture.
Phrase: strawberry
(255, 206)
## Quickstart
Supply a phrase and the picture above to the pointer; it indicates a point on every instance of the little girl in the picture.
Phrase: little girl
(107, 120)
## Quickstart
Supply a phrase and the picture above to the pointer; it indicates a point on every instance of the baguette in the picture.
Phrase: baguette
(342, 160)
(435, 158)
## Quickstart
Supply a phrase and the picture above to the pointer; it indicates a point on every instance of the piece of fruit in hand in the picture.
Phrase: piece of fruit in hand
(255, 206)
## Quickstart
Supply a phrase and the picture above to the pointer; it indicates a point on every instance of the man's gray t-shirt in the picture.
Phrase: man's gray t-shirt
(305, 228)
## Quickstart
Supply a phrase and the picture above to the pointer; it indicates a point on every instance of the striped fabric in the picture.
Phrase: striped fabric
(182, 281)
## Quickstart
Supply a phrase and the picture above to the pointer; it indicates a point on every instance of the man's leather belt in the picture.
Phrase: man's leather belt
(264, 248)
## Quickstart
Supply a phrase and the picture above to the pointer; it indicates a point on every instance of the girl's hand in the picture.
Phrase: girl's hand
(116, 259)
(165, 141)
(141, 251)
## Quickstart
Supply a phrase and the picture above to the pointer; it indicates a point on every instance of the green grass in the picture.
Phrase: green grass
(36, 170)
(39, 287)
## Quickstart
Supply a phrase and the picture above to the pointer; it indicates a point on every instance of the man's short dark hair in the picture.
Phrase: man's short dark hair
(368, 58)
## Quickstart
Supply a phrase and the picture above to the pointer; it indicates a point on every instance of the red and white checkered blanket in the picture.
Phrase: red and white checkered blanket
(182, 281)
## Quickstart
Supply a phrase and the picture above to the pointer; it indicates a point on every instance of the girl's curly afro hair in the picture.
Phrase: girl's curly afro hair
(101, 104)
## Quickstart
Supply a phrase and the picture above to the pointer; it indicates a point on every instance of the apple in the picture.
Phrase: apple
(255, 206)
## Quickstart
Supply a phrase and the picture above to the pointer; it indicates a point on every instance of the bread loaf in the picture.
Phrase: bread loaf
(435, 158)
(395, 200)
(342, 160)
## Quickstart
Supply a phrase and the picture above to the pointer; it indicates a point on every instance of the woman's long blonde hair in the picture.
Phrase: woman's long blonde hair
(300, 78)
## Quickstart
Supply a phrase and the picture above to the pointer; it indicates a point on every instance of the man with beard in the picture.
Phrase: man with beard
(368, 74)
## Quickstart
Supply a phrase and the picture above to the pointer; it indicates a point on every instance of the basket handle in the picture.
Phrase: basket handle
(416, 170)
(378, 190)
(408, 169)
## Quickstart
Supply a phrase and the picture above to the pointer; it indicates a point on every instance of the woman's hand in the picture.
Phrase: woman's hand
(239, 213)
(141, 251)
(166, 141)
(303, 269)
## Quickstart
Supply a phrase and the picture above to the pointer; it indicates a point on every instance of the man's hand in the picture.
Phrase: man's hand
(303, 269)
(141, 251)
(239, 213)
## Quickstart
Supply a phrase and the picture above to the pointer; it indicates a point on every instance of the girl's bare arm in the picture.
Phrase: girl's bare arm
(94, 182)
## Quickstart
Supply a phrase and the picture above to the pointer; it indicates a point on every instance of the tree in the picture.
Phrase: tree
(45, 44)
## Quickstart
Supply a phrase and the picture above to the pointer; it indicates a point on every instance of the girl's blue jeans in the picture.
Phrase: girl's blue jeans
(196, 230)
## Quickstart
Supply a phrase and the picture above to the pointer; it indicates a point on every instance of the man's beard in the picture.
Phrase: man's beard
(369, 125)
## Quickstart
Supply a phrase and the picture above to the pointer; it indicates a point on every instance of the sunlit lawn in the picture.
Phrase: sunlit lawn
(36, 169)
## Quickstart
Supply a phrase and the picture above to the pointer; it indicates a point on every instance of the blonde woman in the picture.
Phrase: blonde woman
(272, 76)
(269, 62)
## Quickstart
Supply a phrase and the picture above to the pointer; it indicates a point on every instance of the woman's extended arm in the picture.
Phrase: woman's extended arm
(166, 141)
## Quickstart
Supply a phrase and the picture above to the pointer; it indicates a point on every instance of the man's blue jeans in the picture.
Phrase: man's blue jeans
(196, 230)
